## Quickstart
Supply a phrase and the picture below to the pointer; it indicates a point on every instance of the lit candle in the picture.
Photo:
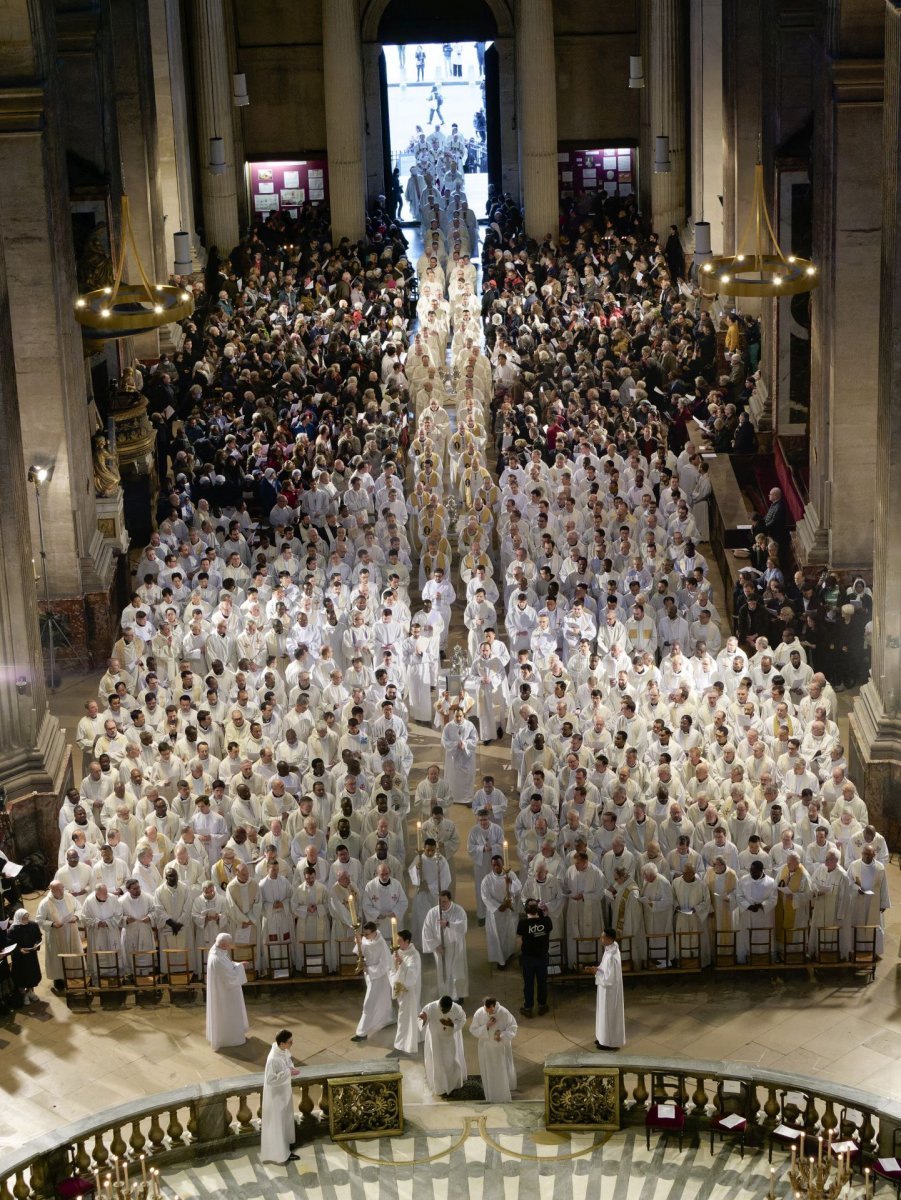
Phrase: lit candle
(116, 1169)
(144, 1167)
(772, 1183)
(419, 835)
(109, 1186)
(97, 1184)
(352, 909)
(125, 1170)
(819, 1151)
(794, 1156)
(802, 1145)
(394, 942)
(868, 1183)
(156, 1184)
(505, 854)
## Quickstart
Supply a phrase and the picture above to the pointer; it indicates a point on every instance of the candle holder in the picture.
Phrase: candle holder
(820, 1178)
(118, 1186)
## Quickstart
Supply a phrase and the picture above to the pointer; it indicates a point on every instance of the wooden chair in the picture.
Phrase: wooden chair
(788, 1131)
(177, 967)
(828, 946)
(658, 950)
(760, 947)
(278, 956)
(890, 1175)
(688, 950)
(794, 946)
(731, 1116)
(667, 1112)
(555, 956)
(109, 969)
(76, 976)
(863, 949)
(313, 958)
(143, 968)
(246, 955)
(588, 954)
(347, 956)
(627, 962)
(725, 951)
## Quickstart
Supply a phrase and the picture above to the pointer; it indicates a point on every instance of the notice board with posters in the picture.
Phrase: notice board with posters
(283, 185)
(610, 170)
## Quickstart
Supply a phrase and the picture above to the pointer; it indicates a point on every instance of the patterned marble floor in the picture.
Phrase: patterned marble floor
(486, 1155)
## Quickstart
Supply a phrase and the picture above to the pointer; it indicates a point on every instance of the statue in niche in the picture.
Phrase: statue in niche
(95, 266)
(106, 466)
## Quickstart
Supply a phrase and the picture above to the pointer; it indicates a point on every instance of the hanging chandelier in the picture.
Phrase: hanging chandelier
(758, 269)
(127, 309)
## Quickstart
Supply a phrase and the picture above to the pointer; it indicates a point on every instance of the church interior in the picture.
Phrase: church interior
(596, 223)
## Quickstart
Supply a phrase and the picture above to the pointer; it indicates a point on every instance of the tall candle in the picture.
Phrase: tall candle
(802, 1145)
(125, 1170)
(419, 835)
(97, 1184)
(144, 1167)
(772, 1183)
(794, 1156)
(394, 942)
(352, 909)
(116, 1169)
(505, 854)
(819, 1151)
(867, 1184)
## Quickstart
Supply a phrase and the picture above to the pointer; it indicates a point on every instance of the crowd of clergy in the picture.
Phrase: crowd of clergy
(362, 451)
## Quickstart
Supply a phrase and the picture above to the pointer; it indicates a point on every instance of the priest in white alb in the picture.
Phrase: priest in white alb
(226, 1015)
(102, 918)
(445, 1058)
(57, 915)
(495, 1027)
(377, 1008)
(444, 936)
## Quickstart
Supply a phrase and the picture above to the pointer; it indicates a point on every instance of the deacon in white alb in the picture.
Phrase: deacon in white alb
(277, 1129)
(406, 984)
(377, 1009)
(610, 1019)
(445, 1059)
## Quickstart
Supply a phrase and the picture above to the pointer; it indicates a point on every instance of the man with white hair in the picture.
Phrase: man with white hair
(57, 916)
(226, 1015)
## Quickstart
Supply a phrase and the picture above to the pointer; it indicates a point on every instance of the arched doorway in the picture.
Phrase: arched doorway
(388, 25)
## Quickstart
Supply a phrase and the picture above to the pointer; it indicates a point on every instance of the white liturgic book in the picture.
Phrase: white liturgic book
(786, 1131)
(666, 1112)
(731, 1121)
(888, 1164)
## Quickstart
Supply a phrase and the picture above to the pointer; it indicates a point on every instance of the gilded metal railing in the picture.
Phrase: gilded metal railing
(203, 1118)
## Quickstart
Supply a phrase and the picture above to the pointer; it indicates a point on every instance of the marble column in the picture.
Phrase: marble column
(172, 124)
(36, 238)
(213, 103)
(845, 320)
(875, 750)
(666, 83)
(343, 81)
(139, 146)
(32, 745)
(537, 90)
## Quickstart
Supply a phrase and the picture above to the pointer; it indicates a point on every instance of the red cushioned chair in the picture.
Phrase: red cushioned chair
(661, 1087)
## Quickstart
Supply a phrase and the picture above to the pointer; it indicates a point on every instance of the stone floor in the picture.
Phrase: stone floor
(501, 1154)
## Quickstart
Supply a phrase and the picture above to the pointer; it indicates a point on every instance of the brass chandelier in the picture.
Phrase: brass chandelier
(761, 269)
(127, 309)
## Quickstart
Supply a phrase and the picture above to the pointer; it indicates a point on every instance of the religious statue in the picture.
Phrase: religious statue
(95, 266)
(106, 466)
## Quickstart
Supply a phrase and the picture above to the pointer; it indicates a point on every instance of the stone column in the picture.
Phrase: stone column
(845, 319)
(665, 80)
(343, 79)
(36, 238)
(172, 124)
(32, 745)
(875, 750)
(742, 69)
(707, 116)
(139, 146)
(213, 102)
(536, 76)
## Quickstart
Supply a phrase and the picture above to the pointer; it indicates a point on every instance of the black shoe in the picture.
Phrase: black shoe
(481, 922)
(293, 1158)
(527, 1012)
(542, 1009)
(358, 1037)
(501, 966)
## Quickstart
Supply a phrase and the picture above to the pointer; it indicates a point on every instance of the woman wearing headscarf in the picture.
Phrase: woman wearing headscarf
(25, 966)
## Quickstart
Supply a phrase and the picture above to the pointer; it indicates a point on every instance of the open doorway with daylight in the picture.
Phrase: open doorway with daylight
(438, 98)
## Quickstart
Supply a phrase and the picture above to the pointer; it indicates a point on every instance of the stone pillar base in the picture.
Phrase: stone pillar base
(111, 521)
(811, 538)
(34, 816)
(89, 622)
(874, 755)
